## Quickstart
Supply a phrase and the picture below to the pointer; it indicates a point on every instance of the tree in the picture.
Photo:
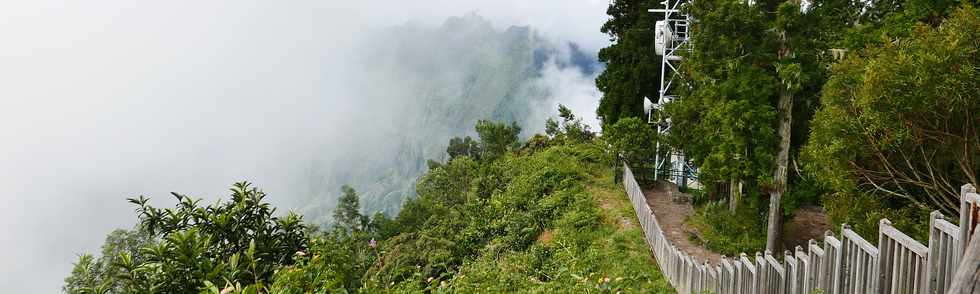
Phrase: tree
(899, 121)
(463, 147)
(790, 78)
(632, 66)
(570, 128)
(634, 139)
(754, 69)
(496, 139)
(347, 215)
(98, 275)
(724, 121)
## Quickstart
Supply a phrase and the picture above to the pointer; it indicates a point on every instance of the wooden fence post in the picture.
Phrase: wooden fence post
(967, 278)
(964, 217)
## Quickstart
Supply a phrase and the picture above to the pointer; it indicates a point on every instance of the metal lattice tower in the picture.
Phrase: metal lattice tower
(672, 38)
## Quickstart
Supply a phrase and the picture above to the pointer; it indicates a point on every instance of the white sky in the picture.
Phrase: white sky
(102, 100)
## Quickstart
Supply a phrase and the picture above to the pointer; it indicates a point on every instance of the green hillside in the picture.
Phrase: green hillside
(498, 216)
(609, 255)
(428, 84)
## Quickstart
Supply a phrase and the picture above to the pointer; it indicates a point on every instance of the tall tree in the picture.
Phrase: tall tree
(724, 120)
(348, 212)
(463, 147)
(788, 73)
(632, 67)
(753, 79)
(496, 139)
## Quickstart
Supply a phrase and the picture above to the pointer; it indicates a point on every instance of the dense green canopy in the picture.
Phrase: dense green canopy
(632, 67)
(900, 120)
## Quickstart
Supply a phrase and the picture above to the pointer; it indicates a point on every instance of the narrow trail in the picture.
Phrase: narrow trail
(671, 215)
(808, 223)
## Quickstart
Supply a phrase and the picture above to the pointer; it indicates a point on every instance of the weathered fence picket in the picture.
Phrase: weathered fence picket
(902, 261)
(944, 241)
(851, 264)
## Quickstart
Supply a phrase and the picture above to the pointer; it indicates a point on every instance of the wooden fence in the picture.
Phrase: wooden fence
(848, 264)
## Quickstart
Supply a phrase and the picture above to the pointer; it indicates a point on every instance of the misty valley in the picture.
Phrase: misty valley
(480, 163)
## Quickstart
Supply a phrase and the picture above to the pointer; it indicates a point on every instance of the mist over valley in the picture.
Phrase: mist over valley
(114, 100)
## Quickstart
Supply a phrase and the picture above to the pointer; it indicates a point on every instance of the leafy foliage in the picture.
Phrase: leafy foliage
(463, 147)
(569, 129)
(729, 233)
(347, 215)
(186, 248)
(497, 138)
(899, 121)
(607, 258)
(98, 275)
(470, 216)
(634, 139)
(862, 212)
(632, 66)
(471, 213)
(457, 215)
(335, 262)
(896, 135)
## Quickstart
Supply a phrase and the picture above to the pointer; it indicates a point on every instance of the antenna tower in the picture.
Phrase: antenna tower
(672, 38)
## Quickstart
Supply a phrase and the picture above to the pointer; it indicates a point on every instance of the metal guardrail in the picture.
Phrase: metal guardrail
(898, 264)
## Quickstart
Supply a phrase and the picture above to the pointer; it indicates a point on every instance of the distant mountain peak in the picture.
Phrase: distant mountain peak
(471, 21)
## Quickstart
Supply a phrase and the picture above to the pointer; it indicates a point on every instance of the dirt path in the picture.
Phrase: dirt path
(671, 215)
(808, 222)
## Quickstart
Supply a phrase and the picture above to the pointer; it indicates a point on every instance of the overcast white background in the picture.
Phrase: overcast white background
(102, 100)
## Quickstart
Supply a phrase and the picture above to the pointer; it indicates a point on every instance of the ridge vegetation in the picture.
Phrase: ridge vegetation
(498, 216)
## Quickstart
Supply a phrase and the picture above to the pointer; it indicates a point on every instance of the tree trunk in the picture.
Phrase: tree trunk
(734, 194)
(779, 177)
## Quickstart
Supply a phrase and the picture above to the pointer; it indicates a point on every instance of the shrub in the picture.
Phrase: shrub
(633, 139)
(727, 233)
(863, 211)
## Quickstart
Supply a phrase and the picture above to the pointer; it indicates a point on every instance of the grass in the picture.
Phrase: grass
(609, 257)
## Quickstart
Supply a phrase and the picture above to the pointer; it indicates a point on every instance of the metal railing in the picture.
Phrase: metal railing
(851, 264)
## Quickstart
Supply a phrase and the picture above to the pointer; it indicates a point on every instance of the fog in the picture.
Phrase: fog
(103, 100)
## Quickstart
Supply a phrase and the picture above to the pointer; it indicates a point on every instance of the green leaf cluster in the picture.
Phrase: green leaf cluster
(632, 66)
(191, 247)
(899, 121)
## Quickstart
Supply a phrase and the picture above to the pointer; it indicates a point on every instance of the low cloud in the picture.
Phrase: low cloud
(569, 84)
(104, 100)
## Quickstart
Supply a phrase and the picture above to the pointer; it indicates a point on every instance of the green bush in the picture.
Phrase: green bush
(727, 233)
(191, 247)
(634, 139)
(863, 211)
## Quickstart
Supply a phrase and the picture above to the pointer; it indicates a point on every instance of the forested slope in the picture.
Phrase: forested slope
(498, 216)
(419, 87)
